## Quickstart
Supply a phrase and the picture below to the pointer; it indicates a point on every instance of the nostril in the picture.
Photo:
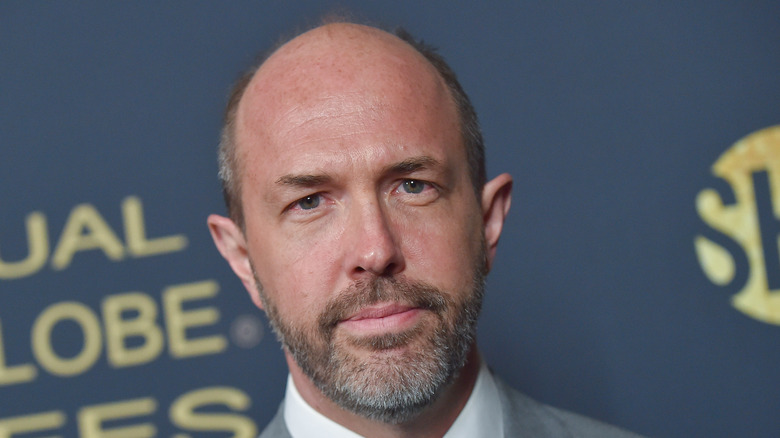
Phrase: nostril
(379, 270)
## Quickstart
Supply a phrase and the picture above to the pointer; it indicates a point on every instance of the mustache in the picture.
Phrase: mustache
(364, 293)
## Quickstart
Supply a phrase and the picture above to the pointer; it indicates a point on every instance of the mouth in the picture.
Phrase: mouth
(382, 319)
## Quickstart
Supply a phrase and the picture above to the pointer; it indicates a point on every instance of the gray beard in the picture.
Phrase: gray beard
(390, 387)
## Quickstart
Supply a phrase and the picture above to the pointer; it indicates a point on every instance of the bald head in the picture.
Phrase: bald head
(332, 64)
(335, 59)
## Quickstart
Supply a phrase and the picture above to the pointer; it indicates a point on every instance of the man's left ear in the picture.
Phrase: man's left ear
(496, 198)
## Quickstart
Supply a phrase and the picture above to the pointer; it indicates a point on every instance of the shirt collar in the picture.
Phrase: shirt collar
(304, 421)
(481, 416)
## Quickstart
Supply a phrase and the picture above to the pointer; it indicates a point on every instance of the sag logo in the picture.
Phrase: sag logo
(750, 225)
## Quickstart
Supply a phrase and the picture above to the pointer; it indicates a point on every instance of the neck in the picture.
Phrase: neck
(432, 422)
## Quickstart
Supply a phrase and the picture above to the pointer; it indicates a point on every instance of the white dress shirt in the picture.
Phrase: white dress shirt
(481, 416)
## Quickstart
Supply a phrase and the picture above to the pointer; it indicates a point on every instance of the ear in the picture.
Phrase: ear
(231, 243)
(496, 198)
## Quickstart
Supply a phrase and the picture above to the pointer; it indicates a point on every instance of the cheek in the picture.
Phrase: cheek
(442, 250)
(295, 269)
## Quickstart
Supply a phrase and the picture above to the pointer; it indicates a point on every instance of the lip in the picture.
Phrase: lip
(382, 319)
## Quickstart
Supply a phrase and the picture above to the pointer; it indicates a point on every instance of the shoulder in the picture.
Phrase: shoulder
(523, 415)
(276, 428)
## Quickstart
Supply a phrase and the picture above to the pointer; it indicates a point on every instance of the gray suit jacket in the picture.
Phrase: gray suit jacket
(523, 417)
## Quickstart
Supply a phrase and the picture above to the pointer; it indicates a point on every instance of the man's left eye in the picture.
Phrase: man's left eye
(413, 186)
(309, 202)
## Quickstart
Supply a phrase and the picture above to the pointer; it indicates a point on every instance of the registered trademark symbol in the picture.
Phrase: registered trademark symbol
(247, 331)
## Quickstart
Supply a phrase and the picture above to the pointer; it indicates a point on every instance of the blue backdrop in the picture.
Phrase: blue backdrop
(612, 292)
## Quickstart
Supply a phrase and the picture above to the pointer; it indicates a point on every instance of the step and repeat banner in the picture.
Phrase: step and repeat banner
(637, 282)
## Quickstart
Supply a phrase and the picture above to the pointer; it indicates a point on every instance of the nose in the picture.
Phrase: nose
(372, 246)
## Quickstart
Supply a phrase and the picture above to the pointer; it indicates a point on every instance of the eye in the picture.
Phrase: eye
(413, 186)
(416, 192)
(308, 202)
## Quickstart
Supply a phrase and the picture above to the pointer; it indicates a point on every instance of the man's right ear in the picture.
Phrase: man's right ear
(231, 243)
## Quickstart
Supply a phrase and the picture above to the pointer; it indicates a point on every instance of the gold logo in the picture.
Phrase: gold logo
(752, 168)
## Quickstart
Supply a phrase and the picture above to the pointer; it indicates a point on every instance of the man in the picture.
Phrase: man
(361, 222)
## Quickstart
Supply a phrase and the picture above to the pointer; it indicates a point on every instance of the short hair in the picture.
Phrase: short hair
(471, 134)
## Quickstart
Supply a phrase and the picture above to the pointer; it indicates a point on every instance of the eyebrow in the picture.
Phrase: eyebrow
(303, 180)
(404, 167)
(411, 165)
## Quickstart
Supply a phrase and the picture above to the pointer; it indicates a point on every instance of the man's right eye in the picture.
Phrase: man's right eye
(308, 202)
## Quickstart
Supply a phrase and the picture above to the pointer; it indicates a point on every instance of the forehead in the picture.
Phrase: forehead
(341, 83)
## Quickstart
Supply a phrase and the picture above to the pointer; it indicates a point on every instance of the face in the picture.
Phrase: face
(364, 239)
